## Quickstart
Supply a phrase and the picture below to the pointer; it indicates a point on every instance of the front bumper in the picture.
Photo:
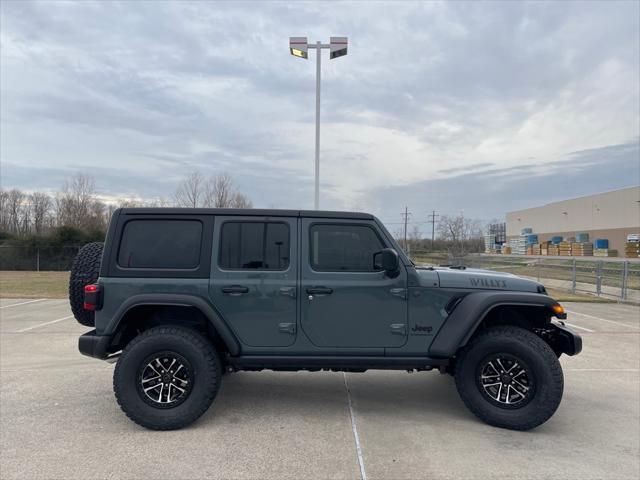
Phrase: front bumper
(566, 340)
(93, 345)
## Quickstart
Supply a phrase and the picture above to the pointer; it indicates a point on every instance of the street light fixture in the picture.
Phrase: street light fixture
(299, 47)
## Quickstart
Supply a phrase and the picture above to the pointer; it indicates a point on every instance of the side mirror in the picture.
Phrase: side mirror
(387, 260)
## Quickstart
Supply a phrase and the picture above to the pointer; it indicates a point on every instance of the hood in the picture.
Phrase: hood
(474, 278)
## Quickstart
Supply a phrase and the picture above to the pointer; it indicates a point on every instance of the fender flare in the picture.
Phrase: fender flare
(467, 316)
(178, 300)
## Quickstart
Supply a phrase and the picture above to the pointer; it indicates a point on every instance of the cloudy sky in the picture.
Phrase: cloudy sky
(459, 106)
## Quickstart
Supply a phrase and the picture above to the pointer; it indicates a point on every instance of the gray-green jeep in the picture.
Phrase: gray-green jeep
(181, 297)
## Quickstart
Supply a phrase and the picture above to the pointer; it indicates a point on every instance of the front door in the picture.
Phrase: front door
(253, 278)
(346, 301)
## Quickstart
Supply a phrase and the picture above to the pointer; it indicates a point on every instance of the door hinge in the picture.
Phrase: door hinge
(399, 292)
(287, 328)
(399, 328)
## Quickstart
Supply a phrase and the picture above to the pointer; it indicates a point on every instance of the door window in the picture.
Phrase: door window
(344, 248)
(254, 246)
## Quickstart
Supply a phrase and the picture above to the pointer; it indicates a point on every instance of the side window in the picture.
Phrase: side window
(254, 246)
(343, 248)
(161, 244)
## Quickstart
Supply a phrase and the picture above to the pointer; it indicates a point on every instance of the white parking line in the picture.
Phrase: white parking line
(601, 319)
(354, 428)
(581, 328)
(44, 324)
(601, 369)
(23, 303)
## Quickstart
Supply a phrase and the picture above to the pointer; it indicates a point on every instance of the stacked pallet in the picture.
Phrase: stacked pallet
(506, 249)
(544, 248)
(582, 249)
(604, 252)
(530, 250)
(535, 249)
(564, 248)
(491, 244)
(518, 245)
(632, 249)
(554, 250)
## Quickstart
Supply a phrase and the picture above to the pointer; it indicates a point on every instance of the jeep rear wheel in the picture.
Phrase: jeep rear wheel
(85, 270)
(510, 378)
(167, 377)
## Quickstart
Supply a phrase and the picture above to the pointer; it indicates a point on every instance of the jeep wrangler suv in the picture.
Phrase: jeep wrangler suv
(179, 297)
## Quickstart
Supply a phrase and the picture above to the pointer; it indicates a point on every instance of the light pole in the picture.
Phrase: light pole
(299, 47)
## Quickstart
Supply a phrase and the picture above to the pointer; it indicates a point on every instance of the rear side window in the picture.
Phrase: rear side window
(254, 246)
(344, 248)
(161, 244)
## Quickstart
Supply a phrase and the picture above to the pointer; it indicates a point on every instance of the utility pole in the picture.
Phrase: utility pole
(432, 221)
(405, 216)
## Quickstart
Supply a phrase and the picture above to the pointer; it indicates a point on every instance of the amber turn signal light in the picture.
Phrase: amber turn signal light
(559, 311)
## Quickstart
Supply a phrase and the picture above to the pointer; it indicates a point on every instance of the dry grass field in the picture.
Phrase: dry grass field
(20, 284)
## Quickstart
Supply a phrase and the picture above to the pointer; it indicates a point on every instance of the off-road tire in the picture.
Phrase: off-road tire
(540, 359)
(85, 270)
(189, 344)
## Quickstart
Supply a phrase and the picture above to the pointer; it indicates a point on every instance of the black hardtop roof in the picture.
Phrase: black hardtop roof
(246, 212)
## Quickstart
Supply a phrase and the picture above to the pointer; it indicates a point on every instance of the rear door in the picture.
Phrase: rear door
(253, 278)
(345, 300)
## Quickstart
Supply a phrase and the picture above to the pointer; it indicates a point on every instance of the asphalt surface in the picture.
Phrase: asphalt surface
(59, 419)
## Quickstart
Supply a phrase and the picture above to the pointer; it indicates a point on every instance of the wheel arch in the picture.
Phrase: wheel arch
(160, 309)
(488, 308)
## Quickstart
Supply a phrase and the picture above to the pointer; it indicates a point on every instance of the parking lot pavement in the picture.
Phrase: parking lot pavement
(59, 419)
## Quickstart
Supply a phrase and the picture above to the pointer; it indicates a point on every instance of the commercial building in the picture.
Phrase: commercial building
(611, 215)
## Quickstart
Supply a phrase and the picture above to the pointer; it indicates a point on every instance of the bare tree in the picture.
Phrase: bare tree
(41, 211)
(97, 218)
(4, 211)
(414, 238)
(451, 228)
(220, 191)
(239, 200)
(13, 206)
(191, 192)
(74, 204)
(457, 230)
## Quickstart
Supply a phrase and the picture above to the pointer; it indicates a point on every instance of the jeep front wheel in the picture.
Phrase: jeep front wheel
(167, 377)
(510, 378)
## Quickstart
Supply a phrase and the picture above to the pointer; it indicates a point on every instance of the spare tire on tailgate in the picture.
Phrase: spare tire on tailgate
(84, 271)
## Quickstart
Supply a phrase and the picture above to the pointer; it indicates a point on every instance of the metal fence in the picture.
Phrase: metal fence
(37, 258)
(617, 279)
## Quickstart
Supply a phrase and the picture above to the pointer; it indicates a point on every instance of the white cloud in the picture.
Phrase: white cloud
(428, 91)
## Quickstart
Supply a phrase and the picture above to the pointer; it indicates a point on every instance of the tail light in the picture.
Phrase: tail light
(92, 297)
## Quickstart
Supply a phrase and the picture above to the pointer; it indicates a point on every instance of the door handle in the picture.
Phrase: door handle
(288, 291)
(398, 328)
(319, 291)
(287, 328)
(235, 290)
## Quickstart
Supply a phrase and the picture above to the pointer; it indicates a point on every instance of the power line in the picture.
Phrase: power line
(433, 217)
(405, 217)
